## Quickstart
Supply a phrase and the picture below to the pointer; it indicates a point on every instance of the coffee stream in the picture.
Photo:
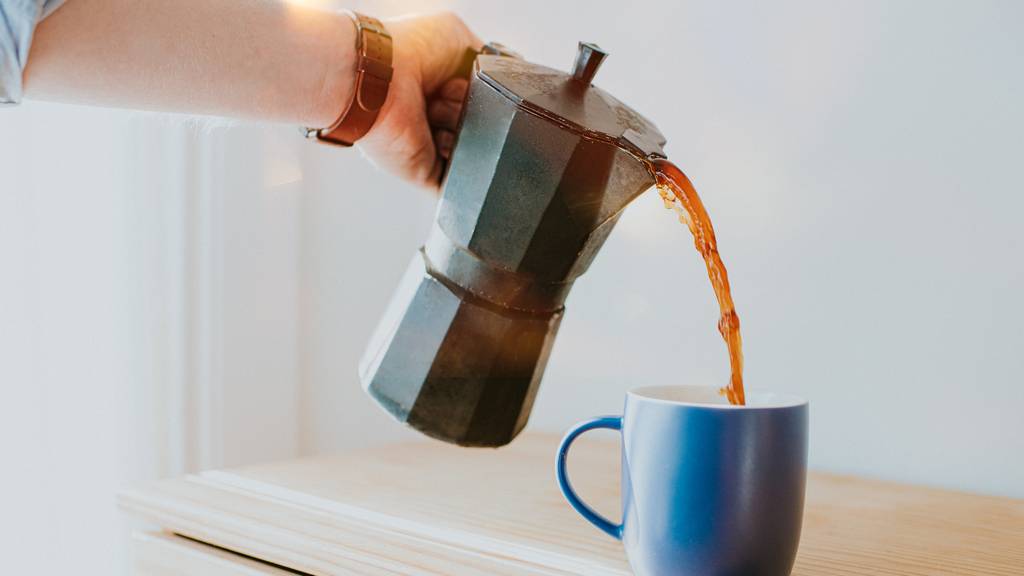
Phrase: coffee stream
(673, 185)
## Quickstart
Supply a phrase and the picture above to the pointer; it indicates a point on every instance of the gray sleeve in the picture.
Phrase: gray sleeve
(18, 19)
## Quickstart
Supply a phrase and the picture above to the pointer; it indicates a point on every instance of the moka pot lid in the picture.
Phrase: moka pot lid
(572, 100)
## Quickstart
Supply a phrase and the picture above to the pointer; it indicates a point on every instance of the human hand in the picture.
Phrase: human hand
(415, 131)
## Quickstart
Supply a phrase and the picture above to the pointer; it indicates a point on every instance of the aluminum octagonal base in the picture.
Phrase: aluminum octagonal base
(454, 367)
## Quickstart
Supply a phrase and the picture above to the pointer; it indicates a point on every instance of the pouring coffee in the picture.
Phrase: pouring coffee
(543, 166)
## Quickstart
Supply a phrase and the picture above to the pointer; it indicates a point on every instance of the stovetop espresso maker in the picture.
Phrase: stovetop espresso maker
(543, 166)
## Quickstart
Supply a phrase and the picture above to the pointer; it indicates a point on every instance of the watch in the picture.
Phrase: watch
(373, 78)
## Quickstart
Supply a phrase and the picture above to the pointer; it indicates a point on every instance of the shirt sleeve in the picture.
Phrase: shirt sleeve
(18, 20)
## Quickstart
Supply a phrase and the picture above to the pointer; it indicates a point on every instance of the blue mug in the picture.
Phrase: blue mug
(708, 489)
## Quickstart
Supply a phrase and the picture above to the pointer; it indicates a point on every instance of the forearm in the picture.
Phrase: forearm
(263, 59)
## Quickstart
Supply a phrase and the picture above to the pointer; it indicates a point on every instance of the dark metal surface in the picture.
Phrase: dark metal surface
(543, 167)
(454, 367)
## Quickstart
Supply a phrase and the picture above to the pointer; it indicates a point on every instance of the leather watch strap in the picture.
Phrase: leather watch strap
(373, 78)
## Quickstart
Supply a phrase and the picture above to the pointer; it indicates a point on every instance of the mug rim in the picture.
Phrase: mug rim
(766, 400)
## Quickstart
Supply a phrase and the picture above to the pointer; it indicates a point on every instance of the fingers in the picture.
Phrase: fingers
(444, 140)
(454, 90)
(444, 114)
(444, 108)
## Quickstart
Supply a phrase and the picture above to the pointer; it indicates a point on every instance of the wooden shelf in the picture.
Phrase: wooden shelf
(430, 508)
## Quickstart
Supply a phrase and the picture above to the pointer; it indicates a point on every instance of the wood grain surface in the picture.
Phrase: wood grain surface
(431, 508)
(162, 554)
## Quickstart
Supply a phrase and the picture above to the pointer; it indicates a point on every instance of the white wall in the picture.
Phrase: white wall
(861, 162)
(148, 317)
(84, 406)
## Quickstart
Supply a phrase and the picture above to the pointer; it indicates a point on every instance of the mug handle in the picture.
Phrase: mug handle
(606, 526)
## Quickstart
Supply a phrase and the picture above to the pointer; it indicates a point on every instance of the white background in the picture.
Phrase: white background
(177, 295)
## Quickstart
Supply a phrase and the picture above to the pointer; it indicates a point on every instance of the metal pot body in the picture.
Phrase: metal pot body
(527, 203)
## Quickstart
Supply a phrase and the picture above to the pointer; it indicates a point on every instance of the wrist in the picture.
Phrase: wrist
(368, 90)
(337, 70)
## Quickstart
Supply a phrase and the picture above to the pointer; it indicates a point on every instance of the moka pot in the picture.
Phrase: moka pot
(543, 166)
